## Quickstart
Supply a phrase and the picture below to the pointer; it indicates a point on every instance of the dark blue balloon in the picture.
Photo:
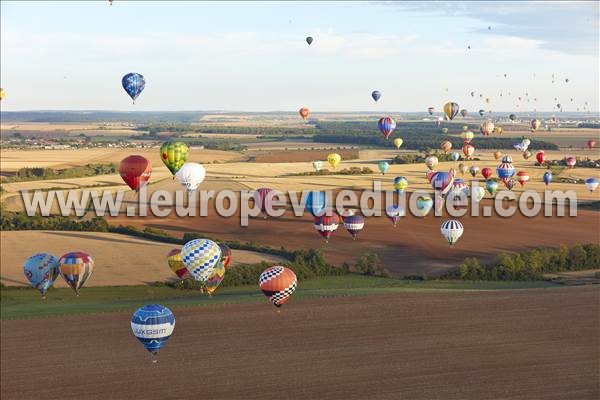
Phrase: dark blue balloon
(134, 84)
(547, 178)
(376, 95)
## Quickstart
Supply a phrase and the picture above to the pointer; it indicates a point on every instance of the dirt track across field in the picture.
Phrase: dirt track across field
(530, 344)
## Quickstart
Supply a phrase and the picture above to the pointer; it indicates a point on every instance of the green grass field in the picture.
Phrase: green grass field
(19, 303)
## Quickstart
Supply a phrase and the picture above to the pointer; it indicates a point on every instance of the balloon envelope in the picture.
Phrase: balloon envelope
(76, 268)
(191, 175)
(174, 155)
(41, 270)
(451, 110)
(316, 202)
(200, 257)
(278, 284)
(376, 95)
(135, 171)
(176, 264)
(134, 84)
(153, 325)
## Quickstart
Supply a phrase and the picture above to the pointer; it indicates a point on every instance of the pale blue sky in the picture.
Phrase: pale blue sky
(252, 56)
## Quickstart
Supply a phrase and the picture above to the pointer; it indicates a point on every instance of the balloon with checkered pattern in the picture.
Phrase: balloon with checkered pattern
(201, 257)
(278, 284)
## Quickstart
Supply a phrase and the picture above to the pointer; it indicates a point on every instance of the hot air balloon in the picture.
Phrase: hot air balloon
(467, 136)
(263, 198)
(304, 113)
(486, 128)
(509, 183)
(317, 165)
(472, 94)
(497, 130)
(326, 225)
(383, 167)
(214, 280)
(134, 84)
(386, 126)
(455, 156)
(465, 128)
(376, 95)
(571, 161)
(431, 162)
(512, 117)
(334, 159)
(400, 184)
(491, 186)
(225, 255)
(278, 284)
(76, 268)
(174, 155)
(451, 110)
(176, 264)
(591, 144)
(481, 112)
(527, 154)
(354, 224)
(430, 174)
(463, 112)
(398, 142)
(190, 175)
(452, 230)
(540, 156)
(591, 184)
(462, 168)
(444, 130)
(458, 186)
(2, 94)
(468, 150)
(486, 172)
(442, 181)
(135, 171)
(535, 124)
(522, 177)
(309, 40)
(394, 213)
(446, 146)
(547, 178)
(424, 205)
(505, 170)
(473, 170)
(41, 270)
(316, 202)
(476, 193)
(430, 110)
(497, 155)
(153, 325)
(200, 257)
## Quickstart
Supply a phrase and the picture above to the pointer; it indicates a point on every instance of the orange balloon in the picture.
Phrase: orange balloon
(304, 112)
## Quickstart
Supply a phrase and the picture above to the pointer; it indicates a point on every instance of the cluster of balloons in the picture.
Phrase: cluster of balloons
(42, 269)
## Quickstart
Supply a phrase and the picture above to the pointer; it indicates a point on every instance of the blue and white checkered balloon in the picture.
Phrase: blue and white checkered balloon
(201, 257)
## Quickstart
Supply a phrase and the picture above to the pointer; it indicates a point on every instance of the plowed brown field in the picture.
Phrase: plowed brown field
(530, 344)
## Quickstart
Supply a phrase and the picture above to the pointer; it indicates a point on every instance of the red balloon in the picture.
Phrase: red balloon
(540, 157)
(522, 177)
(591, 144)
(486, 172)
(135, 171)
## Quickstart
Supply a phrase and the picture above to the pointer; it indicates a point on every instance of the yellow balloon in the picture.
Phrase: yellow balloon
(334, 159)
(2, 93)
(398, 142)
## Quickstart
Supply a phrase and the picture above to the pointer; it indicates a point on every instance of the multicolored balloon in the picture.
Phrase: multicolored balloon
(451, 110)
(41, 270)
(354, 224)
(304, 112)
(134, 84)
(491, 186)
(76, 268)
(442, 181)
(394, 213)
(452, 230)
(591, 184)
(468, 150)
(400, 184)
(431, 162)
(176, 264)
(135, 171)
(174, 155)
(455, 156)
(467, 136)
(522, 177)
(473, 170)
(278, 284)
(153, 325)
(446, 145)
(201, 257)
(326, 225)
(214, 280)
(225, 255)
(190, 175)
(571, 161)
(386, 126)
(486, 128)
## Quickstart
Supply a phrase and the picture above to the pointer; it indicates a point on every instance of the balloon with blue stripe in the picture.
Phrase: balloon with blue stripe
(134, 84)
(316, 202)
(153, 325)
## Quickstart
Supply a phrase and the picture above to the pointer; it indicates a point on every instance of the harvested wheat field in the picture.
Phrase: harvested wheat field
(527, 344)
(120, 259)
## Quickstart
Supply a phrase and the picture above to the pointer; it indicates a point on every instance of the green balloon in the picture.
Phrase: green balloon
(174, 155)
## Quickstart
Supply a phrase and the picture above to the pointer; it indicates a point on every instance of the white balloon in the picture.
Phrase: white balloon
(191, 175)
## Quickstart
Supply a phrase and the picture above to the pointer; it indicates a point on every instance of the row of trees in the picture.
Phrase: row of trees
(345, 171)
(32, 174)
(529, 266)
